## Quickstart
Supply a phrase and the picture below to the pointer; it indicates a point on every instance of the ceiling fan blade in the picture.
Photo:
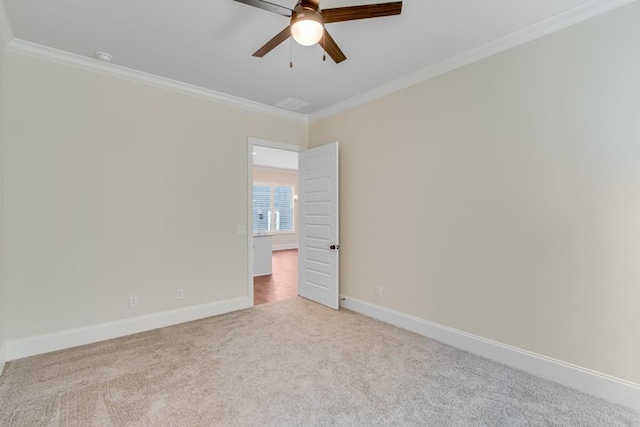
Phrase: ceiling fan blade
(331, 47)
(271, 7)
(351, 13)
(271, 44)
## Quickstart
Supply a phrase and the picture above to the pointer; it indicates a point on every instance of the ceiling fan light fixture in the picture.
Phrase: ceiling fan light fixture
(307, 27)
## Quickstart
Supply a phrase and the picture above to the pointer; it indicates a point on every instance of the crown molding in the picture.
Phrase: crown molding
(35, 50)
(550, 25)
(545, 27)
(6, 33)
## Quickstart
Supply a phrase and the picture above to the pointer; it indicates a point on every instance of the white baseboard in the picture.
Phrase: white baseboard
(588, 381)
(39, 344)
(284, 247)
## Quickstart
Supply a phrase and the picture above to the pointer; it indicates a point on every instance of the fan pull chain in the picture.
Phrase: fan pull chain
(291, 53)
(324, 45)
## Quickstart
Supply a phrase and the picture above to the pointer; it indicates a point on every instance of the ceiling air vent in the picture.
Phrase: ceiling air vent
(292, 104)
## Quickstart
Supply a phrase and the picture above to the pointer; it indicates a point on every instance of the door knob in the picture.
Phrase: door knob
(334, 247)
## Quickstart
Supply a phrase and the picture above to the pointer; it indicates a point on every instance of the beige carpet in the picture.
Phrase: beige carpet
(287, 363)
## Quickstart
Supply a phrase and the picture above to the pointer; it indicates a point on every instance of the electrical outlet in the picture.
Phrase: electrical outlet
(133, 301)
(180, 294)
(378, 290)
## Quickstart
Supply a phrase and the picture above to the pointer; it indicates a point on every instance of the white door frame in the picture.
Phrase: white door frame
(262, 143)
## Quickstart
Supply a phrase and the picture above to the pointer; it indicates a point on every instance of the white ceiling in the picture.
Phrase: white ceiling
(208, 43)
(274, 158)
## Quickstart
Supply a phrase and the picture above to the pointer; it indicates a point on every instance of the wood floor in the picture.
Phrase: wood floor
(282, 283)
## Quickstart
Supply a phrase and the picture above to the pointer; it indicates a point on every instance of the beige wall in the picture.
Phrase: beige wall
(264, 175)
(2, 126)
(114, 188)
(502, 199)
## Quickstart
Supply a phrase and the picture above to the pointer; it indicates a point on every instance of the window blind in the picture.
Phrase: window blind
(261, 207)
(272, 208)
(283, 206)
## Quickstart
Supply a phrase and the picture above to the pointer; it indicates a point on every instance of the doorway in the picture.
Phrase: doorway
(273, 224)
(317, 233)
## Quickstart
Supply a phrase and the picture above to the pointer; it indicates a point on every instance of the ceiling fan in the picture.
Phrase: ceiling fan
(308, 20)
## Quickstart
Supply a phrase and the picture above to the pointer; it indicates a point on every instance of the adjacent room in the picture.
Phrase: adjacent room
(319, 212)
(275, 224)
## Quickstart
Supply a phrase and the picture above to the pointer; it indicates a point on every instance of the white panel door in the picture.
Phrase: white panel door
(318, 216)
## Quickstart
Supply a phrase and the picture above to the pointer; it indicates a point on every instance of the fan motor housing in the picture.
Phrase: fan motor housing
(307, 5)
